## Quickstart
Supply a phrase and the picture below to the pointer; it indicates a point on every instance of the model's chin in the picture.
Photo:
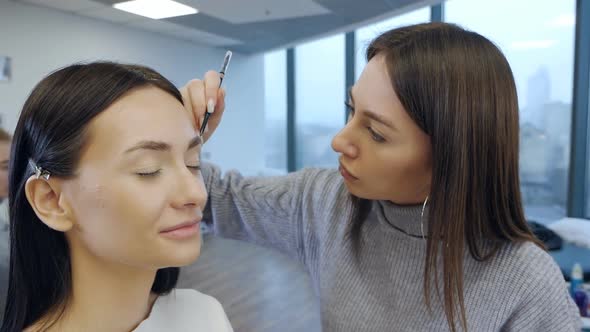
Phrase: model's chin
(182, 253)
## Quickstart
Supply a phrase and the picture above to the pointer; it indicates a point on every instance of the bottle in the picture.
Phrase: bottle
(577, 289)
(581, 299)
(576, 279)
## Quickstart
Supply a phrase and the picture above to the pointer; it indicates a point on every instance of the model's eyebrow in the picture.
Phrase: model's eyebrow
(196, 141)
(162, 146)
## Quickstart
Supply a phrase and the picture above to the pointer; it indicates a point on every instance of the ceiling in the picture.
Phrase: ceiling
(247, 26)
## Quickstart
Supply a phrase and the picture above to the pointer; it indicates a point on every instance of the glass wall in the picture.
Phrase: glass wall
(365, 35)
(538, 41)
(319, 100)
(275, 111)
(588, 165)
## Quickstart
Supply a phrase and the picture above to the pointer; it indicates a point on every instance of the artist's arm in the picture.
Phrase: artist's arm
(263, 210)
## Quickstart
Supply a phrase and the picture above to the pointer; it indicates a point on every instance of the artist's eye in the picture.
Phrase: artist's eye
(376, 137)
(350, 108)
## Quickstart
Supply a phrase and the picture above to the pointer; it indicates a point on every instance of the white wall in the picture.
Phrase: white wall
(40, 40)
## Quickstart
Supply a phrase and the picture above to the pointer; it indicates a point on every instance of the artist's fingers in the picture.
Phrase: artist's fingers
(216, 116)
(212, 81)
(193, 95)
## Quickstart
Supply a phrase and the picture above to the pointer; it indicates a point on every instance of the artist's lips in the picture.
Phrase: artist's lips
(346, 174)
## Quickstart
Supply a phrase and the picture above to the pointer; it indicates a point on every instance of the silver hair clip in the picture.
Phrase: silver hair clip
(39, 172)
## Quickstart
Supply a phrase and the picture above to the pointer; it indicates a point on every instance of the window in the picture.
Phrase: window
(538, 41)
(319, 100)
(275, 111)
(365, 35)
(588, 165)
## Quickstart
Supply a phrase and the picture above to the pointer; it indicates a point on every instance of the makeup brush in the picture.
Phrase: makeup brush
(210, 105)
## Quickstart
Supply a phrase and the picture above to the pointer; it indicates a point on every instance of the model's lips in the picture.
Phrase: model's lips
(186, 224)
(185, 230)
(346, 174)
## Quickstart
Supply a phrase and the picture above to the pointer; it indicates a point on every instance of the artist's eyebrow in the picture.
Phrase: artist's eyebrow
(378, 118)
(162, 146)
(372, 115)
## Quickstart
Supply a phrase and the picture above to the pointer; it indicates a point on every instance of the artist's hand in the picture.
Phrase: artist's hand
(197, 94)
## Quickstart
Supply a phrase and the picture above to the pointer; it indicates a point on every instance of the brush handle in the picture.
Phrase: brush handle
(204, 125)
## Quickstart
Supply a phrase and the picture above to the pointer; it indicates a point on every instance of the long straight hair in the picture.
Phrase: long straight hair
(458, 88)
(51, 132)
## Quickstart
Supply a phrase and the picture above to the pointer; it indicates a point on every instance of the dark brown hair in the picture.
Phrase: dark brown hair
(458, 88)
(51, 132)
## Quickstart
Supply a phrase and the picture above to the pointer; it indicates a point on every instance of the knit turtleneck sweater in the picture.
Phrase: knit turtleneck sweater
(306, 215)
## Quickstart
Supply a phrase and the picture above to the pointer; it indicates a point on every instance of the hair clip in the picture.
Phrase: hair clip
(39, 172)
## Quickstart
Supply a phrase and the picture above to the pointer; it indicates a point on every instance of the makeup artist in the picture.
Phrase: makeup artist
(422, 227)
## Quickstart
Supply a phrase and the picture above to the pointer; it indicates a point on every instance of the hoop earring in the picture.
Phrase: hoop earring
(422, 217)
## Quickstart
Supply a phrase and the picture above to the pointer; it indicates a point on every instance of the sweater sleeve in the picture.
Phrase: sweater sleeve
(547, 305)
(269, 211)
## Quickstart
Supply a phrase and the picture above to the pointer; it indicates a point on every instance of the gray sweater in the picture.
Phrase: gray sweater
(305, 215)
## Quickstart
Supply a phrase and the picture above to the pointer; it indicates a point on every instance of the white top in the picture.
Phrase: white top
(186, 310)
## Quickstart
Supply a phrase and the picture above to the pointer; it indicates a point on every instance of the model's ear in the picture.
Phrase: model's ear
(51, 208)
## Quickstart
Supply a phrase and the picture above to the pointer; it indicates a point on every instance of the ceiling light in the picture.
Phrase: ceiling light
(156, 9)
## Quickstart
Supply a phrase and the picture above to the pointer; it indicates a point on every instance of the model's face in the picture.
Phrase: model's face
(139, 176)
